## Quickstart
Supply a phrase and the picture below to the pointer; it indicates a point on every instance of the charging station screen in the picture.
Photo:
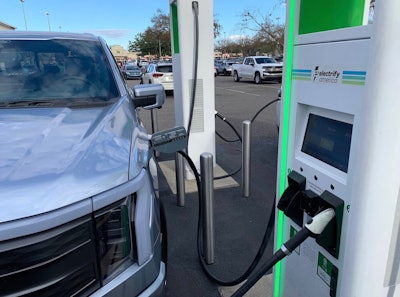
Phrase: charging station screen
(328, 140)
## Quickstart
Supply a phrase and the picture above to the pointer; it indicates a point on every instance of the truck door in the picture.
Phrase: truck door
(248, 69)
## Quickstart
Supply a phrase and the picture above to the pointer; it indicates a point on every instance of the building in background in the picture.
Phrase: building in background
(4, 26)
(122, 55)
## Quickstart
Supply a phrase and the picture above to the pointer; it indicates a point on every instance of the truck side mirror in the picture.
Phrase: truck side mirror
(148, 96)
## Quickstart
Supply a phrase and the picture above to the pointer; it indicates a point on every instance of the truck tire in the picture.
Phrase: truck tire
(257, 78)
(236, 77)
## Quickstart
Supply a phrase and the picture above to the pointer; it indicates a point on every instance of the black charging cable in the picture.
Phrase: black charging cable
(268, 232)
(312, 229)
(261, 249)
(239, 138)
(195, 8)
(262, 108)
(222, 118)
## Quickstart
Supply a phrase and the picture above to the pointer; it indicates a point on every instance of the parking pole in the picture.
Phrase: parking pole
(246, 132)
(207, 204)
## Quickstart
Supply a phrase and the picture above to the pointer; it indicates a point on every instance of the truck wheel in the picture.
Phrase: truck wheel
(236, 76)
(257, 78)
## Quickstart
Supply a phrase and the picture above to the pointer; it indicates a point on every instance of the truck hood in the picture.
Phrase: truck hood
(279, 65)
(53, 157)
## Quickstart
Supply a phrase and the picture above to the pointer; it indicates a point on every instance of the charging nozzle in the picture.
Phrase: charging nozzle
(313, 228)
(320, 221)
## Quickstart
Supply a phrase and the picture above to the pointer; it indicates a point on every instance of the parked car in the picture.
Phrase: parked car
(160, 74)
(80, 215)
(131, 71)
(225, 68)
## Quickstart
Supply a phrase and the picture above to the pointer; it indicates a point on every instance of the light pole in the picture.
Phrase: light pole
(48, 19)
(23, 12)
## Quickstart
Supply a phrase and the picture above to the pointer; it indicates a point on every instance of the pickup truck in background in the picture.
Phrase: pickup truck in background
(258, 69)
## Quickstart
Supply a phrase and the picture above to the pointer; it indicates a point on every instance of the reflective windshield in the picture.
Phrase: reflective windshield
(54, 70)
(164, 68)
(132, 67)
(265, 60)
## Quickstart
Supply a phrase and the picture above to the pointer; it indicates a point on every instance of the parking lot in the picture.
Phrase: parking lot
(240, 222)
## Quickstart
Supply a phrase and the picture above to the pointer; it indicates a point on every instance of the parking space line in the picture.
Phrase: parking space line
(241, 92)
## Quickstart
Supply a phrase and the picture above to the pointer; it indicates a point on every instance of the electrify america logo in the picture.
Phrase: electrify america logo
(325, 76)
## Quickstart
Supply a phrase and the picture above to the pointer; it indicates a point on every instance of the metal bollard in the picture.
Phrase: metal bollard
(154, 120)
(154, 125)
(180, 179)
(207, 202)
(246, 132)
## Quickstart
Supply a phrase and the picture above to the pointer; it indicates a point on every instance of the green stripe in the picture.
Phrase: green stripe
(175, 31)
(284, 129)
(352, 82)
(352, 77)
(301, 77)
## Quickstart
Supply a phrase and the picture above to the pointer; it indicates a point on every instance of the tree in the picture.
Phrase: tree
(161, 30)
(217, 27)
(269, 33)
(155, 39)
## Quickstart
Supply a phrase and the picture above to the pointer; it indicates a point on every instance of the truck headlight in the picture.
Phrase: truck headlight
(114, 238)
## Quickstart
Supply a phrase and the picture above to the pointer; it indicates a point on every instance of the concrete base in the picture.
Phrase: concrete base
(168, 169)
(263, 288)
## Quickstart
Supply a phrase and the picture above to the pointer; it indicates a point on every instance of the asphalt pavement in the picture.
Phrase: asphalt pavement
(240, 222)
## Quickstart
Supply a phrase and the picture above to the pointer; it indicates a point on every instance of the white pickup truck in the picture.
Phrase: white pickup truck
(257, 68)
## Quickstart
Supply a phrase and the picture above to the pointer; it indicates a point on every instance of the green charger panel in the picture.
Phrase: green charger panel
(324, 15)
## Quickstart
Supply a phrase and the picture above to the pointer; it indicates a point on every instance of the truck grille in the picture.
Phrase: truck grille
(63, 264)
(274, 69)
(70, 260)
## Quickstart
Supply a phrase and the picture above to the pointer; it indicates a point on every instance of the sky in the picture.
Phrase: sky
(118, 22)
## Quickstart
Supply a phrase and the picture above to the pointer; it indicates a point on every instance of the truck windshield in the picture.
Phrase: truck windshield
(265, 60)
(53, 71)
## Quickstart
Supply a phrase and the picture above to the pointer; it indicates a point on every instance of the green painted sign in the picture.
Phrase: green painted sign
(324, 270)
(293, 232)
(323, 15)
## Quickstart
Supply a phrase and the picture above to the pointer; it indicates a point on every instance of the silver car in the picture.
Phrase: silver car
(225, 68)
(80, 215)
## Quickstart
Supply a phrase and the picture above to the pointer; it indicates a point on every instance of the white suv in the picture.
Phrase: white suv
(160, 74)
(80, 215)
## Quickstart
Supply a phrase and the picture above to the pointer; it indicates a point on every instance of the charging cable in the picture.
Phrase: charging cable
(261, 249)
(268, 232)
(313, 229)
(195, 8)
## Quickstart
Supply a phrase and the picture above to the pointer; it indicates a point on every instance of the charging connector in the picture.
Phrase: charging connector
(313, 228)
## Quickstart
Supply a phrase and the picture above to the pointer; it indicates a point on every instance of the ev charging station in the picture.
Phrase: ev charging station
(339, 147)
(193, 56)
